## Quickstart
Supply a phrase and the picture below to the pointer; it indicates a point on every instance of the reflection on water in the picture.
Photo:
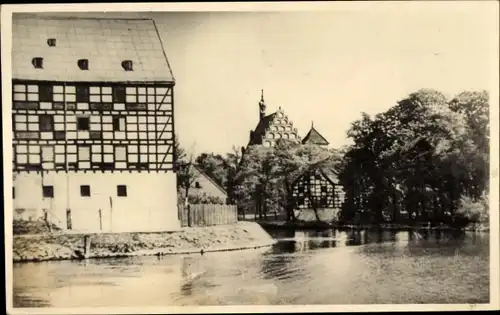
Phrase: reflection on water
(304, 267)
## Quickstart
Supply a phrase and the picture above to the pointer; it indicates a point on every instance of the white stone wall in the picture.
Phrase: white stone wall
(150, 204)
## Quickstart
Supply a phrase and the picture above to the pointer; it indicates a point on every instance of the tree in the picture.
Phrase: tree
(214, 165)
(186, 176)
(293, 161)
(422, 155)
(232, 163)
(266, 175)
(255, 184)
(222, 169)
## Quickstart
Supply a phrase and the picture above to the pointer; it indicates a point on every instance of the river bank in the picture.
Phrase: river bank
(314, 225)
(64, 246)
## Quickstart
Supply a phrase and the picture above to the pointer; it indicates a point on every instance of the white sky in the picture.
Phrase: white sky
(325, 67)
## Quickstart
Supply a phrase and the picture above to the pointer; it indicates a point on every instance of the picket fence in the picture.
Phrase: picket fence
(208, 214)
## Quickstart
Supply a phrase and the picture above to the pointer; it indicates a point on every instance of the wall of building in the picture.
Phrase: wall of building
(317, 186)
(150, 204)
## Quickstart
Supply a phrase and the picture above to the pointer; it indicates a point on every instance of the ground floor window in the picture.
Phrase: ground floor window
(48, 191)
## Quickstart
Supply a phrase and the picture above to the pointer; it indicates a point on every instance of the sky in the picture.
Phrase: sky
(325, 67)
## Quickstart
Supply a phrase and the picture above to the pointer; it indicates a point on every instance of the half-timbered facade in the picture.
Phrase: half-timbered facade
(319, 188)
(92, 115)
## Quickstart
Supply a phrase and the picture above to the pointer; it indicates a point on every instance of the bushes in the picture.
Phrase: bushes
(197, 199)
(32, 227)
(474, 211)
(206, 200)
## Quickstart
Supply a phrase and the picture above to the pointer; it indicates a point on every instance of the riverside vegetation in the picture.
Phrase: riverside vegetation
(424, 161)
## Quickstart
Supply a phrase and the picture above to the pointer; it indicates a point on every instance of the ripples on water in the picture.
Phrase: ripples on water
(329, 267)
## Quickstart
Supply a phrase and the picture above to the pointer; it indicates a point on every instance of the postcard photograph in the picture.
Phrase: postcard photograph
(250, 157)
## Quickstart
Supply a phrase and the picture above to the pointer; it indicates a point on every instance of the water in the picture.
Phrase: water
(331, 267)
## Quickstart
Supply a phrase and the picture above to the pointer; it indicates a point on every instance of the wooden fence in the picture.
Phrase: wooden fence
(208, 214)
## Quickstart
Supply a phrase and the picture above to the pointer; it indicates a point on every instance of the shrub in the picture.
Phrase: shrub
(474, 211)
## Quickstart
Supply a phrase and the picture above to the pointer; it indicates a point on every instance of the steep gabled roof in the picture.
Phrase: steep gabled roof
(260, 130)
(321, 166)
(314, 137)
(210, 179)
(106, 43)
(330, 174)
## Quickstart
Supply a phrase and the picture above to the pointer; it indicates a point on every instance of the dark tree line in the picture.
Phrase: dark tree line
(426, 159)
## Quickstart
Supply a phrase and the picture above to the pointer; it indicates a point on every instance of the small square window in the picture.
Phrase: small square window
(45, 93)
(118, 123)
(82, 94)
(37, 62)
(119, 94)
(85, 190)
(127, 65)
(48, 191)
(51, 42)
(46, 123)
(83, 64)
(197, 185)
(83, 123)
(121, 191)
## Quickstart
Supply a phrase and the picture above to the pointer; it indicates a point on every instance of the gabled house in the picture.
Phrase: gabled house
(206, 188)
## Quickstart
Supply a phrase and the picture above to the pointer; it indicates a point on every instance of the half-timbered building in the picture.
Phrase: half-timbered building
(316, 188)
(93, 129)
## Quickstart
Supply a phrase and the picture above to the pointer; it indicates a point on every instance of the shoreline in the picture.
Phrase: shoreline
(157, 252)
(282, 225)
(187, 241)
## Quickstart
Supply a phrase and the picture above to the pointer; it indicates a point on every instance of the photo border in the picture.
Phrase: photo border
(6, 40)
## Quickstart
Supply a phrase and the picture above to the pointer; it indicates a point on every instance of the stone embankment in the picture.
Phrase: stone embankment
(62, 246)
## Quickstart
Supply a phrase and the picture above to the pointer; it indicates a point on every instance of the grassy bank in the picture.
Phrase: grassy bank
(62, 246)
